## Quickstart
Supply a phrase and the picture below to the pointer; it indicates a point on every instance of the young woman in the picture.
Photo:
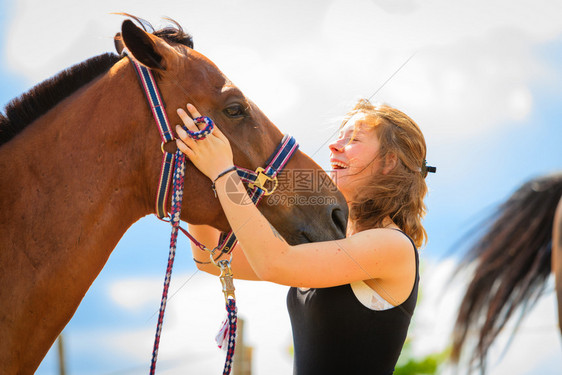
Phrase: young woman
(350, 300)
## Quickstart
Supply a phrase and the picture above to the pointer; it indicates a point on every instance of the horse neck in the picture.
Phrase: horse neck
(82, 164)
(71, 185)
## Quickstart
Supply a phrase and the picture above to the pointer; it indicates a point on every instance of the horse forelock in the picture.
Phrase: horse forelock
(175, 35)
(171, 34)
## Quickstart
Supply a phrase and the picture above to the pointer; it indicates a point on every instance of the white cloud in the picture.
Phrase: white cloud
(519, 103)
(438, 22)
(473, 71)
(135, 293)
(262, 80)
(193, 317)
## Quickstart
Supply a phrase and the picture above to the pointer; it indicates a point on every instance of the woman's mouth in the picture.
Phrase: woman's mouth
(338, 165)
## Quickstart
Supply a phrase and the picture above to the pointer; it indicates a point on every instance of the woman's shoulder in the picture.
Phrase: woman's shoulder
(394, 235)
(392, 240)
(395, 253)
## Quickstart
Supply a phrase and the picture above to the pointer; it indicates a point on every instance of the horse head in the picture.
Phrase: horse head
(306, 207)
(80, 157)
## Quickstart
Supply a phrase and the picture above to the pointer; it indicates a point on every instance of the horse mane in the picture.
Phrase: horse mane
(22, 111)
(513, 261)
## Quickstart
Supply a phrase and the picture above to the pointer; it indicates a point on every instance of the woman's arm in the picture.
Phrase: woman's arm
(209, 237)
(373, 254)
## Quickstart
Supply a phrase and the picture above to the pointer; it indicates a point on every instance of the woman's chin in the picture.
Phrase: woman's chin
(339, 182)
(338, 176)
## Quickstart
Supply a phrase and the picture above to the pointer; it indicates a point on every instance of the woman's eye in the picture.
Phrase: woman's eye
(234, 111)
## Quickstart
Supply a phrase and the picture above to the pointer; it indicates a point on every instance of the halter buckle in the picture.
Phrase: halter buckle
(261, 179)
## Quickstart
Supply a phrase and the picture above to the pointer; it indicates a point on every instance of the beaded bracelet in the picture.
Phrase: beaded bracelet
(209, 262)
(233, 168)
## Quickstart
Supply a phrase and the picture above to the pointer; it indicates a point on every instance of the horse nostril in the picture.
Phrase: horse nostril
(340, 220)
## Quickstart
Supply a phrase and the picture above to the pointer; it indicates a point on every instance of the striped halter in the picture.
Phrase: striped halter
(173, 165)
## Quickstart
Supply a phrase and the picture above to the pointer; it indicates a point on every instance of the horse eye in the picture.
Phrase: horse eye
(234, 111)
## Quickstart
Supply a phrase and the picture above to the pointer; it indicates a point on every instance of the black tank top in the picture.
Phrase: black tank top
(334, 333)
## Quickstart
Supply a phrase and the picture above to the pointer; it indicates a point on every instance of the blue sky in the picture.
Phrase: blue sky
(485, 85)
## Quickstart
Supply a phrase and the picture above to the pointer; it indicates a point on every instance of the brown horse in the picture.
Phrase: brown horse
(79, 164)
(520, 248)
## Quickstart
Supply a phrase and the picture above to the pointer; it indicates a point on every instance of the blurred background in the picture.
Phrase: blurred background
(483, 79)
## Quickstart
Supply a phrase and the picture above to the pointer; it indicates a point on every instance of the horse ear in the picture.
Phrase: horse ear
(146, 48)
(118, 42)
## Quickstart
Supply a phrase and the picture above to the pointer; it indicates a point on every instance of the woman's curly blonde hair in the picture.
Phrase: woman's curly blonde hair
(399, 193)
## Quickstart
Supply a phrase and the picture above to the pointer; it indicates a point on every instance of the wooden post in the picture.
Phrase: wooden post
(60, 346)
(243, 354)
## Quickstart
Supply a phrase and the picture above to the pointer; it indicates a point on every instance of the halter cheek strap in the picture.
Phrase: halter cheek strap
(157, 107)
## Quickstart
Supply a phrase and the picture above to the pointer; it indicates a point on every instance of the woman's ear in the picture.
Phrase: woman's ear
(146, 48)
(390, 162)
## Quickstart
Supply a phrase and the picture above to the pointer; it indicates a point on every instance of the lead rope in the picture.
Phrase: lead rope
(231, 310)
(156, 104)
(228, 328)
(177, 196)
(226, 276)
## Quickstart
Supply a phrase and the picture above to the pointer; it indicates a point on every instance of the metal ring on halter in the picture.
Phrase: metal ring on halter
(163, 144)
(212, 257)
(201, 134)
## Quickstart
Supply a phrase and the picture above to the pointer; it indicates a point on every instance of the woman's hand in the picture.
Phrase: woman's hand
(210, 155)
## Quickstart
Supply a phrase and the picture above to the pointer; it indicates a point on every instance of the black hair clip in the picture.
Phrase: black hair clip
(425, 169)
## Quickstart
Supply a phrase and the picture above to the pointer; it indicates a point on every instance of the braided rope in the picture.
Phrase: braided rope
(232, 320)
(201, 134)
(177, 196)
(155, 102)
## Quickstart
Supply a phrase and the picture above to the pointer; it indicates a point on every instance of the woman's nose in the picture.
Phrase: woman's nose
(336, 146)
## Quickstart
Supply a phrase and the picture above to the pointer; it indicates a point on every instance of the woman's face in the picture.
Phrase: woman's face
(354, 155)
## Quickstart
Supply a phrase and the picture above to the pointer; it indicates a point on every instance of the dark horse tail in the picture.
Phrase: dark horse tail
(513, 261)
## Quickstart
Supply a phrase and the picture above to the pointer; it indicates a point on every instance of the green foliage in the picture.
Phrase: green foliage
(428, 365)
